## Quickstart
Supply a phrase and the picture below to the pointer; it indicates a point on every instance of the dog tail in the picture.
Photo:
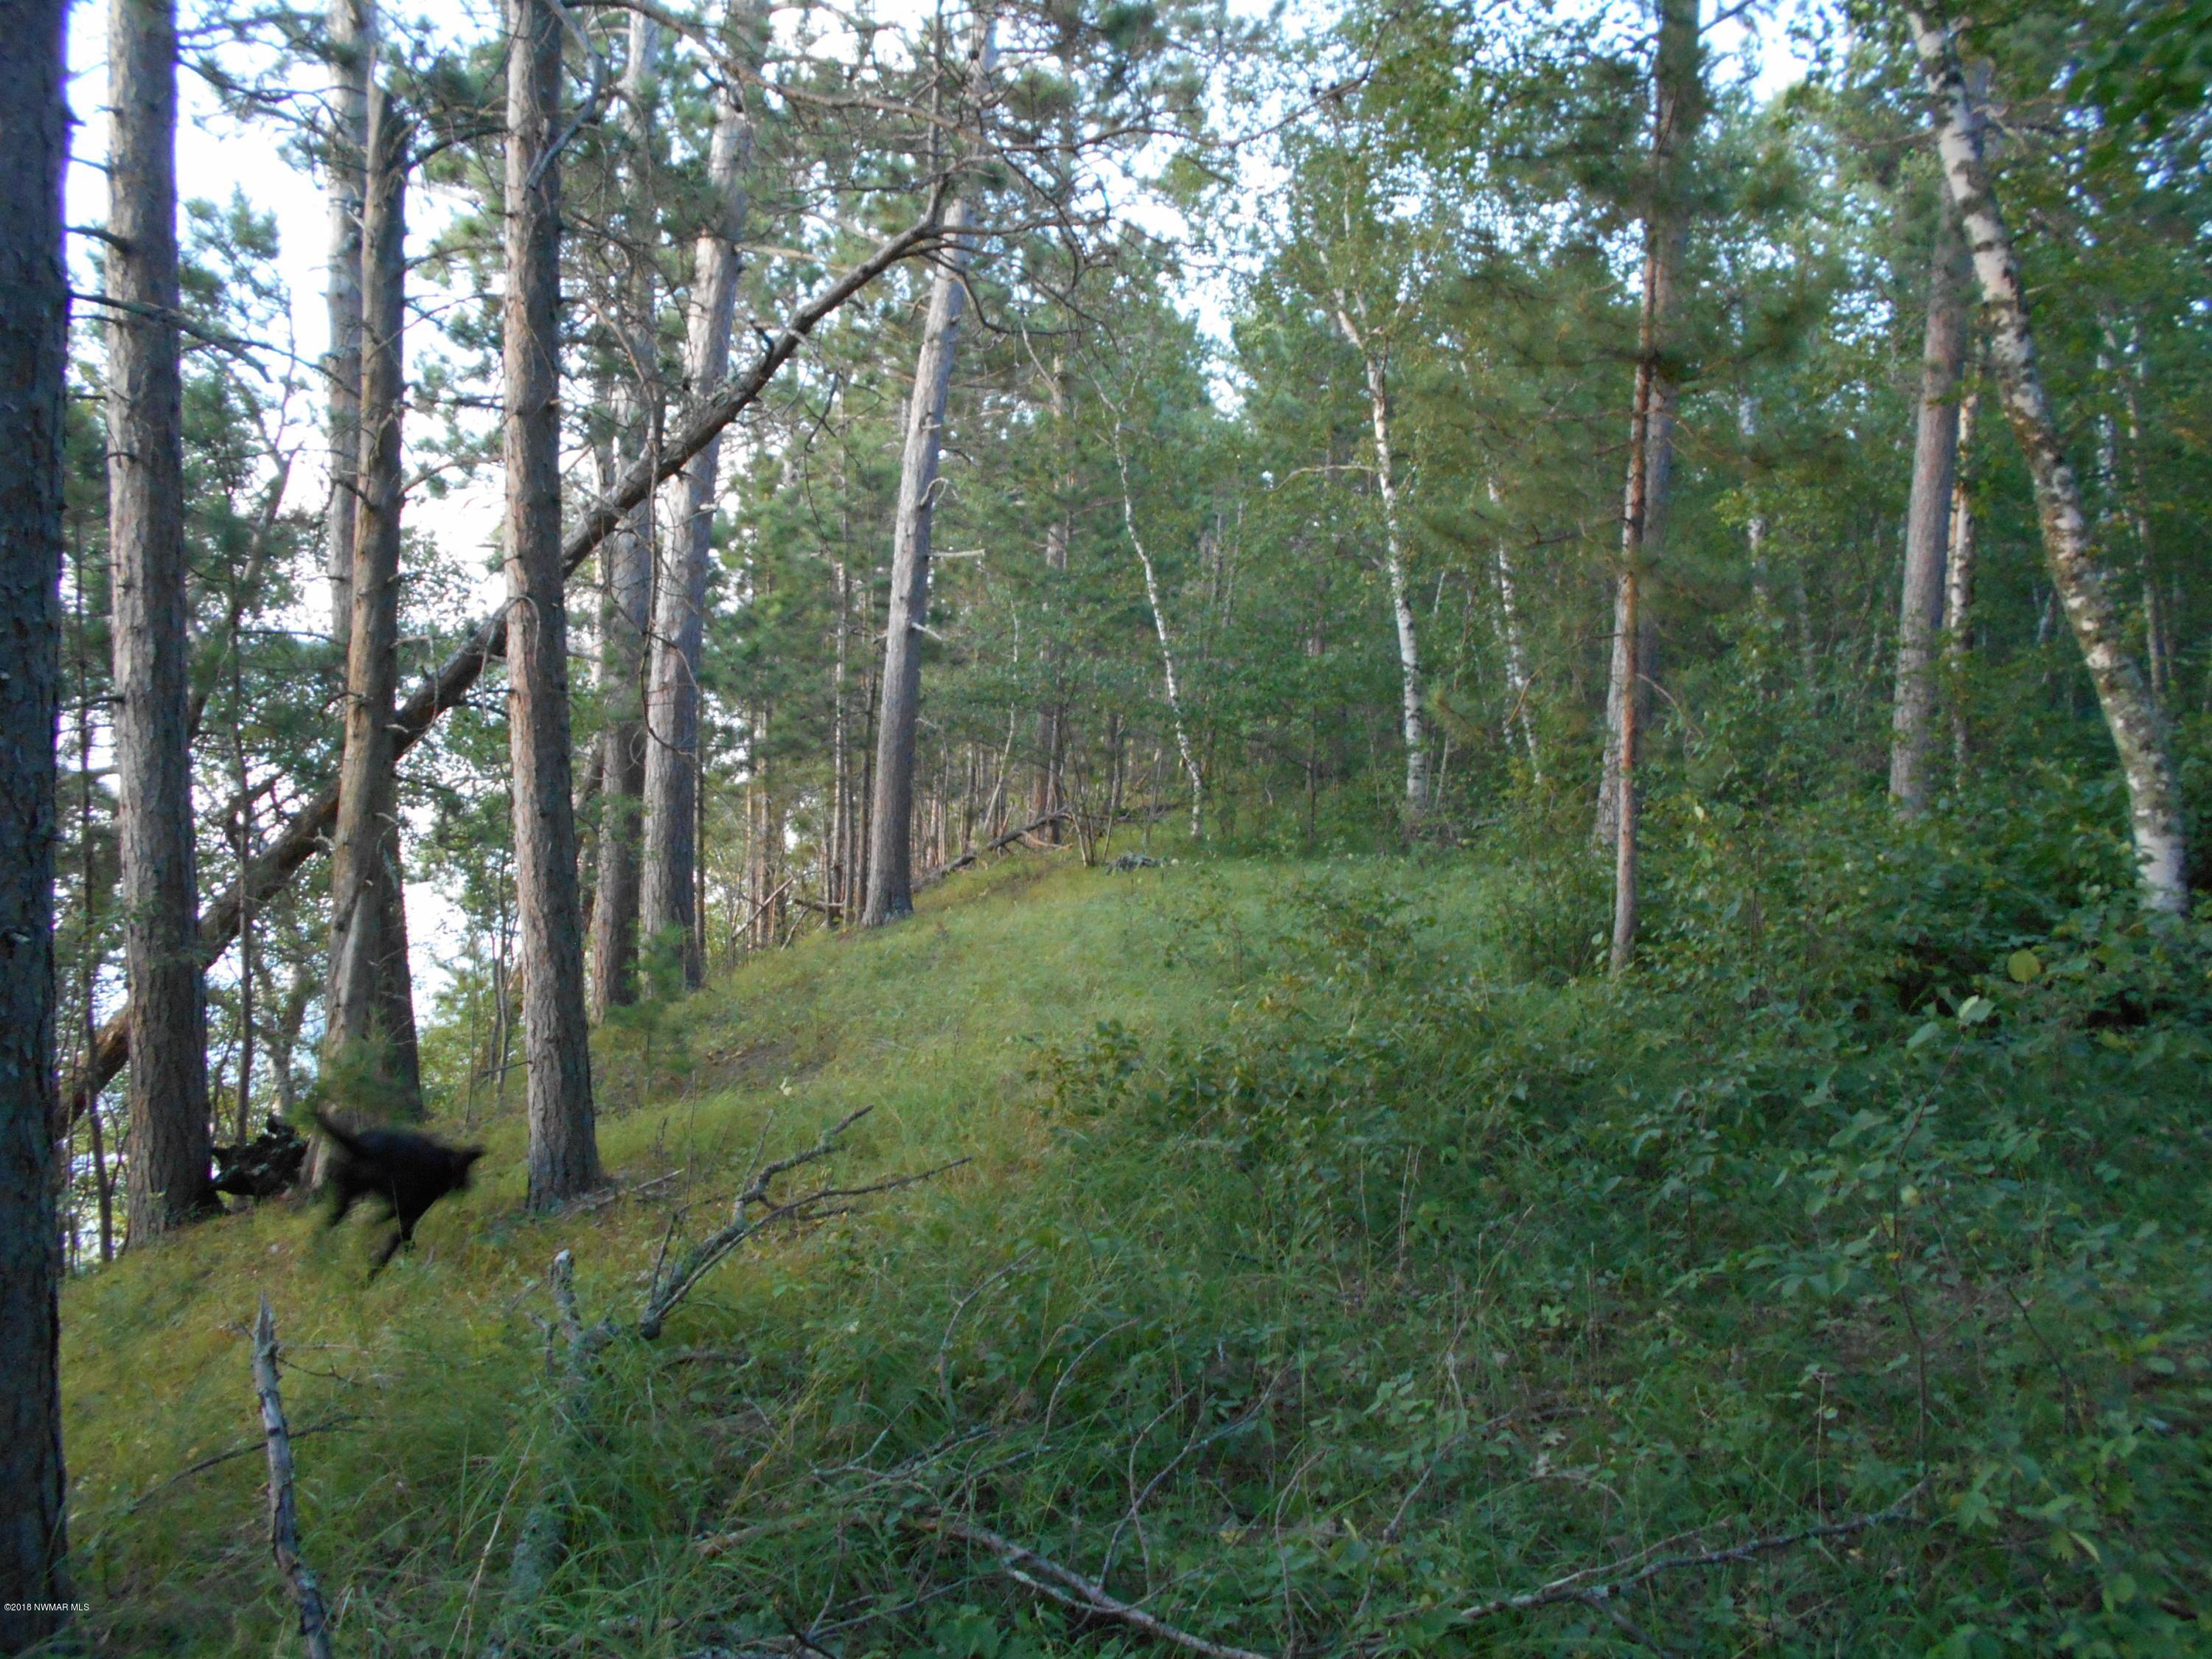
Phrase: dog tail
(337, 1132)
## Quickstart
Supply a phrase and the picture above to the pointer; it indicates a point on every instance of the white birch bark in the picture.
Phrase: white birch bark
(1959, 580)
(1167, 650)
(1412, 712)
(2077, 570)
(1517, 717)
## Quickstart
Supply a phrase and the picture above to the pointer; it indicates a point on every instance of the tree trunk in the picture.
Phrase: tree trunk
(1412, 710)
(2077, 572)
(168, 1143)
(1927, 524)
(1959, 582)
(628, 562)
(668, 901)
(370, 1039)
(1518, 715)
(890, 873)
(353, 54)
(34, 369)
(1045, 798)
(1678, 109)
(1167, 652)
(306, 833)
(564, 1158)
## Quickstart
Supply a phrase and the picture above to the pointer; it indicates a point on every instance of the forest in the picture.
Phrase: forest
(1368, 829)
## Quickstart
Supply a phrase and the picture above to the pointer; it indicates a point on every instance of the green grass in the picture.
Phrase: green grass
(1314, 1277)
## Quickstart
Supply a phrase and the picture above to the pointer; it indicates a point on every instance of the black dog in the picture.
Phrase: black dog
(409, 1172)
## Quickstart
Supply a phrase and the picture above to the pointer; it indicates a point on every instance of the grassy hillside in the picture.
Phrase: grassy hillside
(1324, 1271)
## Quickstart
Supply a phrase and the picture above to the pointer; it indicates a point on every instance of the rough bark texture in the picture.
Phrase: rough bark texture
(1678, 110)
(371, 1009)
(33, 346)
(627, 603)
(667, 900)
(352, 25)
(564, 1158)
(890, 871)
(1928, 524)
(308, 832)
(168, 1142)
(2077, 570)
(1412, 709)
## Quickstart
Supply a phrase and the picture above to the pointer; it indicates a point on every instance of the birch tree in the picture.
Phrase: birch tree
(33, 375)
(2076, 566)
(1358, 331)
(168, 1148)
(1168, 677)
(564, 1158)
(890, 879)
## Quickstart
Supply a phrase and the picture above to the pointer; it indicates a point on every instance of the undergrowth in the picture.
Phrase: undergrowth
(1337, 1258)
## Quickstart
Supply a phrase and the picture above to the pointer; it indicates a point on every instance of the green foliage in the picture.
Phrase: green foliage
(1343, 1275)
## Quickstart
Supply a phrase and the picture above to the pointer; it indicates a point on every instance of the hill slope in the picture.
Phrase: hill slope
(1313, 1281)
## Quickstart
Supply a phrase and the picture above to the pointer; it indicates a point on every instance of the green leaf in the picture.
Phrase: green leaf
(2022, 967)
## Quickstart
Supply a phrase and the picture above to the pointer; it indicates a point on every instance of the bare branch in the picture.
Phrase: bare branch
(283, 1508)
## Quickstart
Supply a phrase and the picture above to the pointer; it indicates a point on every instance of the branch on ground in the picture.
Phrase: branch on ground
(283, 1508)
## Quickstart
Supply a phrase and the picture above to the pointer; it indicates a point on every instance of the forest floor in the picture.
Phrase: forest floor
(1321, 1277)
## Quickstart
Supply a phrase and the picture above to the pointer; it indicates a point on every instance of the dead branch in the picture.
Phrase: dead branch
(1051, 1580)
(755, 1206)
(997, 844)
(243, 1449)
(283, 1508)
(539, 1540)
(1596, 1585)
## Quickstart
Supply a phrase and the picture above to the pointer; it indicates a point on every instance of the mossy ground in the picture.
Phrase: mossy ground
(1311, 1279)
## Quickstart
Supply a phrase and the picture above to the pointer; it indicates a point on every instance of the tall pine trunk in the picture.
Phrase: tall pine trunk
(667, 902)
(890, 873)
(1679, 105)
(564, 1158)
(33, 366)
(1928, 523)
(1678, 110)
(168, 1140)
(352, 25)
(2078, 574)
(627, 560)
(370, 1018)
